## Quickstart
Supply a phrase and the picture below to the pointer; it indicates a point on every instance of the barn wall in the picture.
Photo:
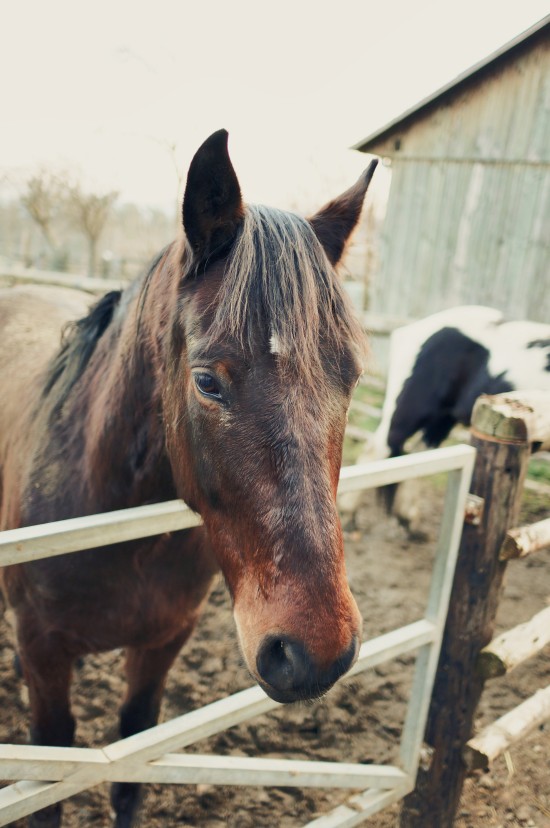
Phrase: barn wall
(468, 218)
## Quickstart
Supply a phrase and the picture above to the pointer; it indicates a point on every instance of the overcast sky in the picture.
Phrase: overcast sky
(107, 87)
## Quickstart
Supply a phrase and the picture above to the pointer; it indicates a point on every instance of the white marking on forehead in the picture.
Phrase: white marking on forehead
(277, 558)
(275, 343)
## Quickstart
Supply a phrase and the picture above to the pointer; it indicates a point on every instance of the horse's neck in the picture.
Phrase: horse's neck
(107, 448)
(125, 436)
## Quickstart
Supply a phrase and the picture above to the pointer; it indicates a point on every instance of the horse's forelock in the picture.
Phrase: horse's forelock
(279, 289)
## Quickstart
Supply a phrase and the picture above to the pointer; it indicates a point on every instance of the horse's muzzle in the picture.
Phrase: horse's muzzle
(287, 672)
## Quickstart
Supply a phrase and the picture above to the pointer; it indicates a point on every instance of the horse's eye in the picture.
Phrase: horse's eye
(207, 385)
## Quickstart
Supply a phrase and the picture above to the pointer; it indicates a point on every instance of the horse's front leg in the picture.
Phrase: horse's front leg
(47, 666)
(146, 671)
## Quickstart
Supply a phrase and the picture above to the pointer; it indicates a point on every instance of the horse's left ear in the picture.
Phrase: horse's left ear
(334, 223)
(212, 204)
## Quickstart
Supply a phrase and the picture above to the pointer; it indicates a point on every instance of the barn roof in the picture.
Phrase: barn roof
(526, 40)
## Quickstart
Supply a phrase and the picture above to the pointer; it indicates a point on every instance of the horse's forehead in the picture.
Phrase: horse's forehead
(266, 322)
(199, 296)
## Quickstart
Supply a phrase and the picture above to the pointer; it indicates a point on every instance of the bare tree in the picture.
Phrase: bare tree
(89, 212)
(43, 198)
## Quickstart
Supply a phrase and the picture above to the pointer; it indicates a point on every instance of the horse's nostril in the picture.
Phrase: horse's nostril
(287, 673)
(282, 663)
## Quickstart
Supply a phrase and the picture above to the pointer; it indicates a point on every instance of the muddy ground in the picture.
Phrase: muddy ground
(360, 720)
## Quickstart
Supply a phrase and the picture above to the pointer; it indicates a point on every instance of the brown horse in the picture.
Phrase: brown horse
(223, 377)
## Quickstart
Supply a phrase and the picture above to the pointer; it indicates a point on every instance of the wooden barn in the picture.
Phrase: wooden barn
(468, 217)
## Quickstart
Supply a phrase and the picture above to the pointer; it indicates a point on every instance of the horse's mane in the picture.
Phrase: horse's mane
(78, 343)
(79, 339)
(279, 280)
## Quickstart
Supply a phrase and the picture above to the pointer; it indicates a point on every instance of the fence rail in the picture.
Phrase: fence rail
(48, 775)
(511, 728)
(513, 647)
(524, 540)
(61, 537)
(52, 278)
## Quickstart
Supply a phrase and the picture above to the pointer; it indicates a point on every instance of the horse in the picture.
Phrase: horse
(438, 367)
(223, 377)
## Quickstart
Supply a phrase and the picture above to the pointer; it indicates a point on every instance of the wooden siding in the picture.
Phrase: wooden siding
(468, 218)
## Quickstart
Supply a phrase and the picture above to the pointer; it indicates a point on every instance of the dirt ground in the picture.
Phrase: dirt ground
(359, 721)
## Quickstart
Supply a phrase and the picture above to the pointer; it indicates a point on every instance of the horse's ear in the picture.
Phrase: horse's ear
(334, 223)
(212, 204)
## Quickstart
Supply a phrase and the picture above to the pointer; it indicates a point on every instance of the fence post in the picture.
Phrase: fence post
(500, 433)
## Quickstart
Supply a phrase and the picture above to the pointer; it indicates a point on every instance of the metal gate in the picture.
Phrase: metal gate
(48, 774)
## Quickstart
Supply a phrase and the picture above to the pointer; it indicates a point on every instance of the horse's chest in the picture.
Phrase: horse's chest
(132, 595)
(164, 586)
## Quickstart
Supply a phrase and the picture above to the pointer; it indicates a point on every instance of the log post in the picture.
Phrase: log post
(500, 433)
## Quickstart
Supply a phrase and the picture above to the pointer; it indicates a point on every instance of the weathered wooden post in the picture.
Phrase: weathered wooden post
(503, 429)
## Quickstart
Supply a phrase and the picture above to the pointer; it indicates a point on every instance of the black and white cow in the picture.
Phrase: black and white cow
(439, 365)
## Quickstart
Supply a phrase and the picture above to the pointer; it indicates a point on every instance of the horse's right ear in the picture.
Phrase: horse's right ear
(212, 204)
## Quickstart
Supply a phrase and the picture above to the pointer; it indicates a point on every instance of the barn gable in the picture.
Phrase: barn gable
(468, 217)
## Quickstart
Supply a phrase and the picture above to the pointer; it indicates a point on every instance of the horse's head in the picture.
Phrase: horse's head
(263, 357)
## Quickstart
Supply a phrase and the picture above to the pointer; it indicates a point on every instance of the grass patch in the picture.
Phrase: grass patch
(534, 506)
(539, 470)
(359, 418)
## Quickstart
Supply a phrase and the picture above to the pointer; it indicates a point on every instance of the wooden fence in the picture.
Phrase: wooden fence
(50, 278)
(47, 775)
(504, 431)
